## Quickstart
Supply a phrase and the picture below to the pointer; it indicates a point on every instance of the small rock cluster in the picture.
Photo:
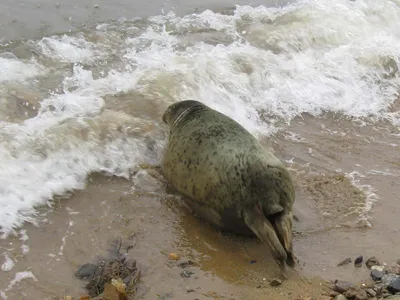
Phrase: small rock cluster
(385, 283)
(111, 278)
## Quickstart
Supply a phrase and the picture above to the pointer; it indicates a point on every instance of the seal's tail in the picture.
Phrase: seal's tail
(277, 235)
(283, 229)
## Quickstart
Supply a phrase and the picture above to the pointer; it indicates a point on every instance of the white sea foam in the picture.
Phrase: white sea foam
(8, 263)
(14, 70)
(67, 49)
(273, 63)
(370, 194)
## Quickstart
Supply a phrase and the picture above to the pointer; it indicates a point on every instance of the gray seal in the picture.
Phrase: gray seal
(228, 178)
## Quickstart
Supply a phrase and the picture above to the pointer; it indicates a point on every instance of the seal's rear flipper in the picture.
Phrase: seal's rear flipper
(264, 230)
(283, 228)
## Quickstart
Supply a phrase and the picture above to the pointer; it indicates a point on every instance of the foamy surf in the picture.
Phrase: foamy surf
(261, 66)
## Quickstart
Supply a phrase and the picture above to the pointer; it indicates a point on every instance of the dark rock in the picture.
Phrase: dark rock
(340, 297)
(358, 261)
(371, 292)
(275, 282)
(342, 286)
(394, 286)
(345, 261)
(361, 295)
(86, 271)
(398, 262)
(186, 273)
(388, 278)
(372, 261)
(190, 291)
(376, 275)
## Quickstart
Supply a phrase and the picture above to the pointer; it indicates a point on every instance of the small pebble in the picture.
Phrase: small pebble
(186, 273)
(96, 6)
(371, 292)
(127, 280)
(190, 291)
(86, 271)
(372, 261)
(376, 275)
(394, 286)
(378, 287)
(275, 282)
(358, 261)
(173, 256)
(379, 268)
(389, 278)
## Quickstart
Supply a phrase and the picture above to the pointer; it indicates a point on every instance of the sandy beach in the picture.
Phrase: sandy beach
(83, 87)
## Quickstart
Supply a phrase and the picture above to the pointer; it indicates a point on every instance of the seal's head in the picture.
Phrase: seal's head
(178, 110)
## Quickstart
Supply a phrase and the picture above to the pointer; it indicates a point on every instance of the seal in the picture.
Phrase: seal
(227, 177)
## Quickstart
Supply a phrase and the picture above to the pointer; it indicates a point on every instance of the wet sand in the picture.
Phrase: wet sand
(155, 225)
(146, 214)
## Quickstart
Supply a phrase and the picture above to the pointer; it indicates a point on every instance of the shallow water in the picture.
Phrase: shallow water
(316, 81)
